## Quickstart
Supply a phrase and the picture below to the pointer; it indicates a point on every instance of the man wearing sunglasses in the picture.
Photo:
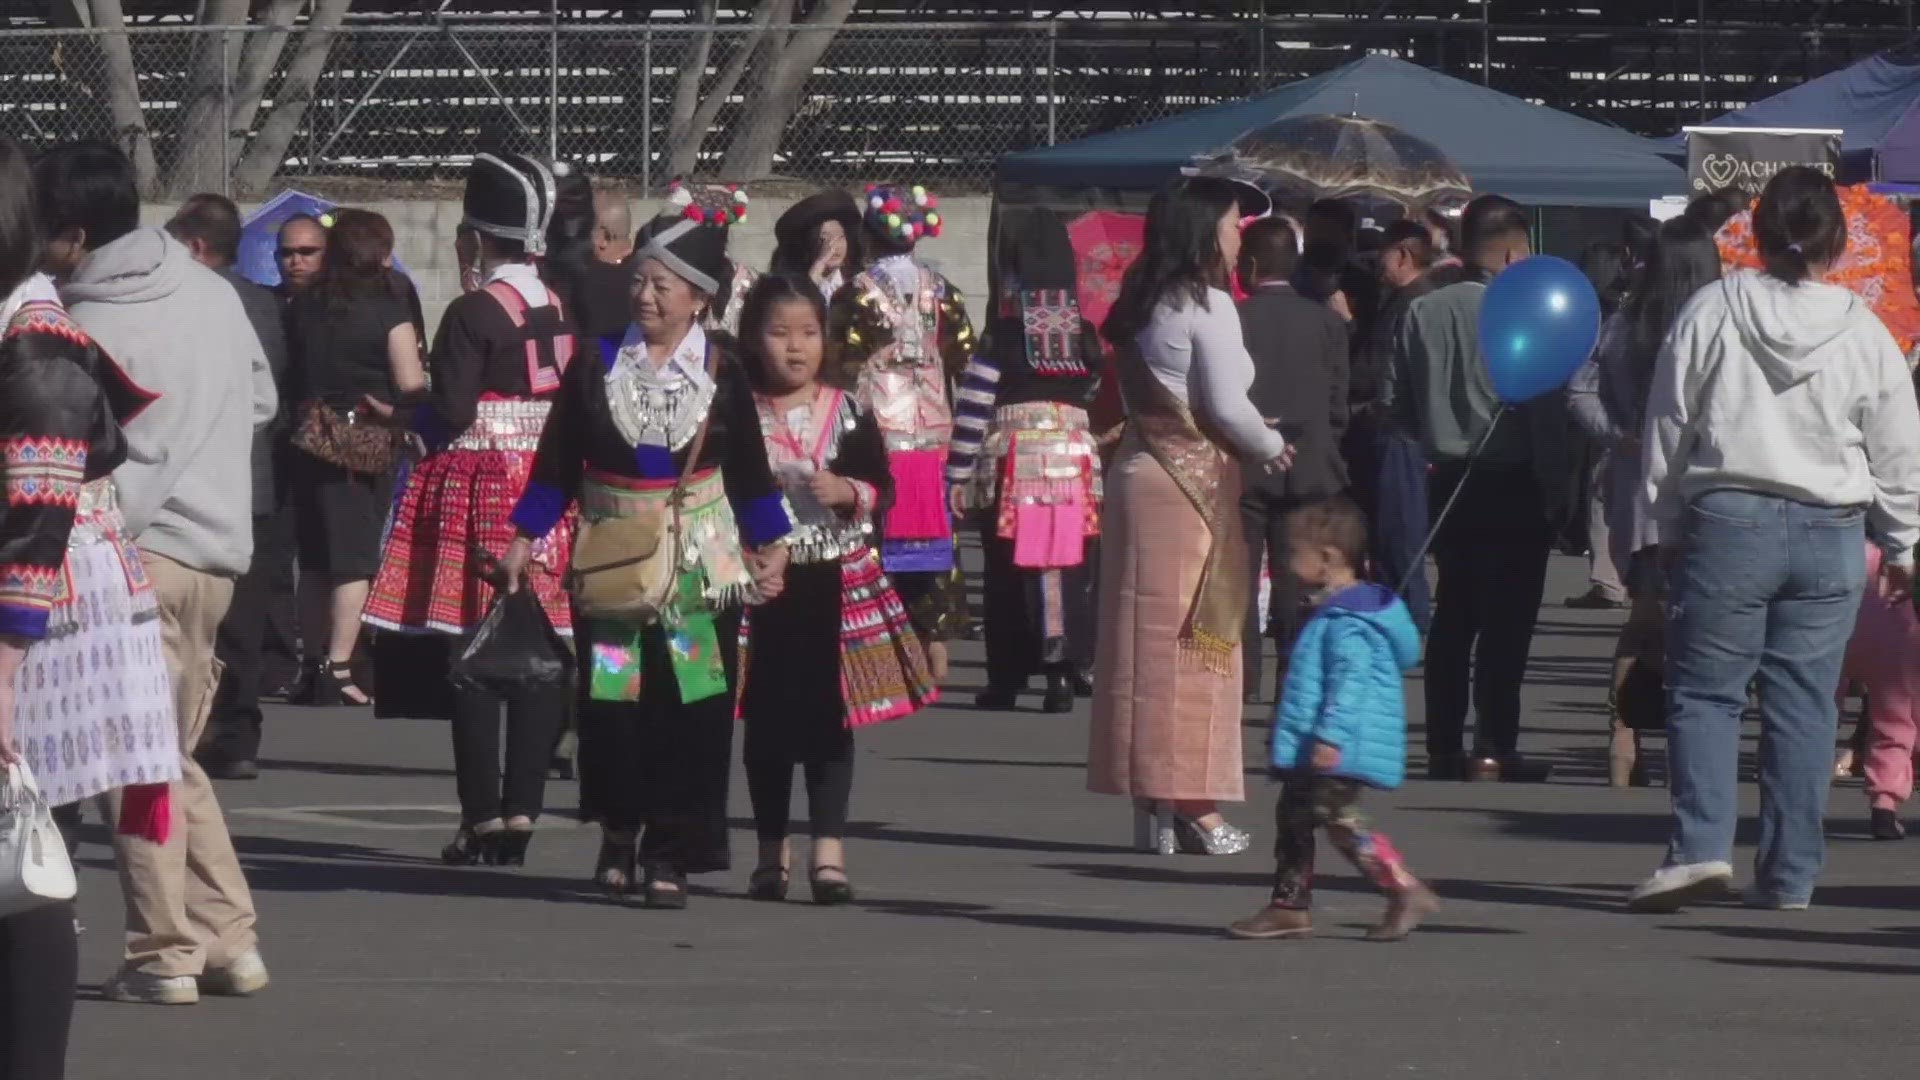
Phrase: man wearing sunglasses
(301, 251)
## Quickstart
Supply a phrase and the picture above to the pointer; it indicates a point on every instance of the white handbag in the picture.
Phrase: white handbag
(34, 868)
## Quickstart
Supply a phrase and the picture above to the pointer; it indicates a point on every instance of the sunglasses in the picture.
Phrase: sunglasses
(302, 252)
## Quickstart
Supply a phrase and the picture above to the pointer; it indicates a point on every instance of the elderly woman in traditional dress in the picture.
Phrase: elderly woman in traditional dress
(660, 424)
(1174, 581)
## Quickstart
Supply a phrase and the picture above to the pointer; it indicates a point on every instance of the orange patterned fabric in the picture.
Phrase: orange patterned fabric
(1878, 264)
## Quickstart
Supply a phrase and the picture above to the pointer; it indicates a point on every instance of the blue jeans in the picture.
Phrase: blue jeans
(1765, 587)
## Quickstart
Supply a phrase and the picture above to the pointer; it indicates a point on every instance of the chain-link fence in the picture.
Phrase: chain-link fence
(238, 108)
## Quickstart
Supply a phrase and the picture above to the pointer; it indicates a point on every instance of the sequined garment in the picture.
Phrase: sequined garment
(903, 337)
(660, 406)
(800, 444)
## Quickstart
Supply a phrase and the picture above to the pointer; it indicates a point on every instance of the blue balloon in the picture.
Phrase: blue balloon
(1538, 323)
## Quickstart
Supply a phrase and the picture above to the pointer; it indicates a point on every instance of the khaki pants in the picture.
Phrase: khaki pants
(188, 907)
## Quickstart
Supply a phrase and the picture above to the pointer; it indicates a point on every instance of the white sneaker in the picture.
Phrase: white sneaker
(140, 988)
(1674, 887)
(247, 975)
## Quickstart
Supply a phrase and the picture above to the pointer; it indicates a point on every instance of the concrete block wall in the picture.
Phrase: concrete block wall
(423, 232)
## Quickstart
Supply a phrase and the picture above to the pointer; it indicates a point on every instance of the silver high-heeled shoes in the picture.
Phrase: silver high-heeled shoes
(1222, 839)
(1153, 827)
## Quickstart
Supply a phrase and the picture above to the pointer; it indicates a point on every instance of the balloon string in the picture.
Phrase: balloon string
(1419, 563)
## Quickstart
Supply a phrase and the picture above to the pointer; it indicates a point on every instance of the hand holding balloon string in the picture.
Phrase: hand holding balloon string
(1539, 321)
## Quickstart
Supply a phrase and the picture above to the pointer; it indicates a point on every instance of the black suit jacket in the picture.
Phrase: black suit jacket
(263, 309)
(1299, 352)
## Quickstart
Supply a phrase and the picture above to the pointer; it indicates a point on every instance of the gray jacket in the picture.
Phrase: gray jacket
(263, 311)
(1453, 404)
(180, 331)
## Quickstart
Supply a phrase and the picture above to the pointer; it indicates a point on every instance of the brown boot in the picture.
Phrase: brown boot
(1623, 757)
(1408, 908)
(937, 660)
(1273, 922)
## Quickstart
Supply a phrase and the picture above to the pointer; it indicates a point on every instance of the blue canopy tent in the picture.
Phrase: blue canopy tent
(260, 235)
(1875, 102)
(1528, 152)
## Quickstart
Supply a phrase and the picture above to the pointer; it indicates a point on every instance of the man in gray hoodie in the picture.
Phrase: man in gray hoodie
(187, 495)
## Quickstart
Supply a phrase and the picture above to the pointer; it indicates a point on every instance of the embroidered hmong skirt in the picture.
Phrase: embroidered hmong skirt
(1039, 476)
(93, 703)
(834, 651)
(454, 501)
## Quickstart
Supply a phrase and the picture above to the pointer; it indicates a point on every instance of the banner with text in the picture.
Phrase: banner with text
(1744, 159)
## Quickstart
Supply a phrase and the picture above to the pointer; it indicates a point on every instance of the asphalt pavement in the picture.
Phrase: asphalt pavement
(1006, 930)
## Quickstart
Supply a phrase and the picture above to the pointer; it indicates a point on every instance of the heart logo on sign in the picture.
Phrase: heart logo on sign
(1720, 170)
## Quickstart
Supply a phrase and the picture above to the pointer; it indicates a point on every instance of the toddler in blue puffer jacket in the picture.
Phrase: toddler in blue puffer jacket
(1341, 727)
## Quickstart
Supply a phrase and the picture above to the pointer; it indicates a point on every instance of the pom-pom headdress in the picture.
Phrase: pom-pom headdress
(707, 204)
(904, 215)
(690, 235)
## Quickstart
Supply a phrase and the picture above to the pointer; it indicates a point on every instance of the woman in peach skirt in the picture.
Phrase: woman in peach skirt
(1174, 577)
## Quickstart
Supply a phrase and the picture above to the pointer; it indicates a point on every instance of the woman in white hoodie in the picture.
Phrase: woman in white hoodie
(1781, 433)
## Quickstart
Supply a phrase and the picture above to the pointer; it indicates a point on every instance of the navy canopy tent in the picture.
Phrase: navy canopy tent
(1876, 102)
(1528, 152)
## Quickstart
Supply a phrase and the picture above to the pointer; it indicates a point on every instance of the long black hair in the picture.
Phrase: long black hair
(1681, 261)
(771, 290)
(20, 240)
(1181, 259)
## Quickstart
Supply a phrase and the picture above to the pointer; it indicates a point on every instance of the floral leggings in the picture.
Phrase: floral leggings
(1310, 803)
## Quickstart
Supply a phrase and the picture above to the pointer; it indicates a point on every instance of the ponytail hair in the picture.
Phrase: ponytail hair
(1799, 224)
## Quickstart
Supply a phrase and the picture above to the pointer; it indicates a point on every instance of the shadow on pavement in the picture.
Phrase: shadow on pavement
(1837, 966)
(873, 830)
(982, 913)
(1649, 829)
(342, 768)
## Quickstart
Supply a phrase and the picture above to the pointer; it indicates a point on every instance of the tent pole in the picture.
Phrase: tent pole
(1700, 32)
(1486, 42)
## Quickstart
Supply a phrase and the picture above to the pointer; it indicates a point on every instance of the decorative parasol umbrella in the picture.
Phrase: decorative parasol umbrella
(260, 234)
(1878, 264)
(1302, 158)
(1105, 243)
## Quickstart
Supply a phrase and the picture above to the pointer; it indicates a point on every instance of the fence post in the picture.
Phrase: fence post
(553, 84)
(226, 116)
(1053, 58)
(646, 113)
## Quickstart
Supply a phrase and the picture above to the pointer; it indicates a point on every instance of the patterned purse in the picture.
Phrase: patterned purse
(342, 440)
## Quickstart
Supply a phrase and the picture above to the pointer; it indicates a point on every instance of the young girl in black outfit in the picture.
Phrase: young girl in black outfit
(835, 650)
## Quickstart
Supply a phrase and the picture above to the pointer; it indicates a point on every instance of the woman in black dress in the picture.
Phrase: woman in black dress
(835, 652)
(354, 351)
(662, 407)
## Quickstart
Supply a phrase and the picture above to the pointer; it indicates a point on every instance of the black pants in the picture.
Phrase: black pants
(829, 777)
(1019, 604)
(1492, 555)
(534, 713)
(1389, 470)
(1263, 520)
(257, 642)
(39, 969)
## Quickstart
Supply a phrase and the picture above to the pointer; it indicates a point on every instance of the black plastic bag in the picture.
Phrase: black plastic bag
(514, 645)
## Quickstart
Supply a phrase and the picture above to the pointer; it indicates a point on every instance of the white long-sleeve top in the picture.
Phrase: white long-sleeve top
(1796, 391)
(1198, 353)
